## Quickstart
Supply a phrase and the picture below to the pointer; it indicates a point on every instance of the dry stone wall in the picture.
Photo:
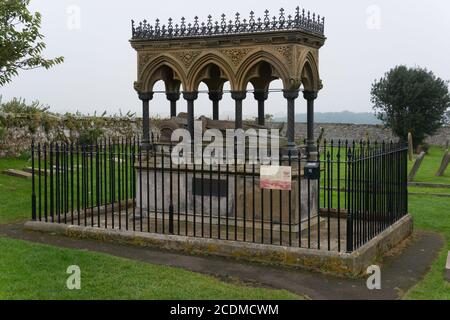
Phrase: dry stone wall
(348, 131)
(16, 139)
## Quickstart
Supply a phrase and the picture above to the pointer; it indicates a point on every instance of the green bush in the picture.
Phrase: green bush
(25, 156)
(90, 136)
(16, 112)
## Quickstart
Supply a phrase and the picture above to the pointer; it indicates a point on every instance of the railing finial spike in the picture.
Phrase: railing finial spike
(302, 20)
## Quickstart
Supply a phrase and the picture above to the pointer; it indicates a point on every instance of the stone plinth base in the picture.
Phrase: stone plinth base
(354, 263)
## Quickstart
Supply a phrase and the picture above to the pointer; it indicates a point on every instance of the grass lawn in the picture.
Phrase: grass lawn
(432, 213)
(25, 268)
(430, 166)
(15, 204)
(31, 271)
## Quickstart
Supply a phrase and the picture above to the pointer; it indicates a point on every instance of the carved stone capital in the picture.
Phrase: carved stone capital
(238, 95)
(215, 95)
(145, 96)
(137, 86)
(192, 95)
(261, 95)
(310, 95)
(290, 94)
(173, 96)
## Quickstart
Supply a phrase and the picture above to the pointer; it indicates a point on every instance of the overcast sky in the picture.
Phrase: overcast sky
(364, 40)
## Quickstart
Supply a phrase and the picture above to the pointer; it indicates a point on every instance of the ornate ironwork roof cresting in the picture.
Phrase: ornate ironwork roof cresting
(302, 20)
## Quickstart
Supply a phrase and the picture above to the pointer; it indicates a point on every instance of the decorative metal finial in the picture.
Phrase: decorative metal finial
(223, 23)
(216, 27)
(289, 24)
(266, 19)
(299, 21)
(282, 18)
(209, 24)
(170, 26)
(230, 26)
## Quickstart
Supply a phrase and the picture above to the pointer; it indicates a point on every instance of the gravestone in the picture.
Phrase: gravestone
(322, 133)
(410, 146)
(444, 164)
(416, 166)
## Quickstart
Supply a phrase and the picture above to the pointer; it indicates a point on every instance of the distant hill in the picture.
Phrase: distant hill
(336, 117)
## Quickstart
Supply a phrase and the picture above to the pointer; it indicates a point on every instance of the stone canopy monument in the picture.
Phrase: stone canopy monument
(239, 51)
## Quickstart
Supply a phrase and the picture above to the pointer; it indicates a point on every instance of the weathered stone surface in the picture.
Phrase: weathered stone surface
(156, 193)
(351, 131)
(350, 264)
(17, 135)
(17, 140)
(18, 173)
(444, 164)
(416, 166)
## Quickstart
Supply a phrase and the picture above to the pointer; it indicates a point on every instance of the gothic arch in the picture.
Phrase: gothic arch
(202, 70)
(248, 71)
(163, 68)
(309, 74)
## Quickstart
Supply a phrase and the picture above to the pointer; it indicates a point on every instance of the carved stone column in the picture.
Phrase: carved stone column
(238, 96)
(290, 96)
(145, 97)
(310, 96)
(190, 97)
(173, 97)
(215, 97)
(261, 96)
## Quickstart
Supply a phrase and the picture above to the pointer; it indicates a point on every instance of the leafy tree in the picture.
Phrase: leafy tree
(411, 100)
(20, 40)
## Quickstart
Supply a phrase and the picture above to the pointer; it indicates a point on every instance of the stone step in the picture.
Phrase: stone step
(18, 173)
(36, 170)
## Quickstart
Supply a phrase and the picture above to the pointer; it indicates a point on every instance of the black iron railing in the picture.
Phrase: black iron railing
(361, 191)
(301, 20)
